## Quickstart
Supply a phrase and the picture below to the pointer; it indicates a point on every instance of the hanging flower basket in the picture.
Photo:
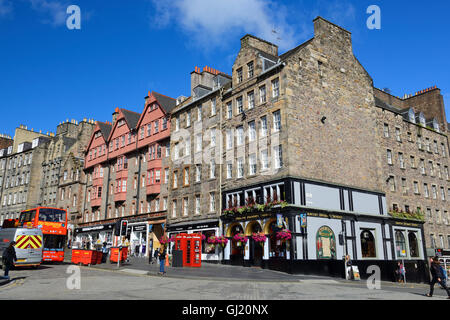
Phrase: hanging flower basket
(210, 248)
(240, 239)
(259, 238)
(284, 235)
(221, 240)
(165, 240)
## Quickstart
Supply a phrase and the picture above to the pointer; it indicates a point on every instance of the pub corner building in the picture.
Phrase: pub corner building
(324, 223)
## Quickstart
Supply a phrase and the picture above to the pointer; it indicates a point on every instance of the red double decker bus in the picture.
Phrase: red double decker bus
(53, 223)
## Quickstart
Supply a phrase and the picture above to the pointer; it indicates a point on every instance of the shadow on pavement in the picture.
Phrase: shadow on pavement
(11, 280)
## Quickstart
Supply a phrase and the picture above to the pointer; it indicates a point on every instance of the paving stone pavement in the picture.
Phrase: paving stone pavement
(137, 280)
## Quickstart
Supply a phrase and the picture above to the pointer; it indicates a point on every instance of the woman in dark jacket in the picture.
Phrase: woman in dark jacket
(9, 257)
(437, 277)
(162, 260)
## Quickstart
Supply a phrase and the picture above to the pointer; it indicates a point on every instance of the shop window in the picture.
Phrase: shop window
(413, 245)
(368, 249)
(206, 247)
(400, 244)
(326, 243)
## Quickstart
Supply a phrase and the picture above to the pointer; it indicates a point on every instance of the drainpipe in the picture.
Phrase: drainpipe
(138, 184)
(220, 170)
(107, 191)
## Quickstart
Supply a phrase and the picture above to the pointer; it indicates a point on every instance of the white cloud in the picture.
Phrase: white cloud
(54, 11)
(211, 23)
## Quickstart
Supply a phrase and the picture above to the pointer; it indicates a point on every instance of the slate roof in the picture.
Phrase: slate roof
(381, 104)
(131, 117)
(105, 128)
(165, 102)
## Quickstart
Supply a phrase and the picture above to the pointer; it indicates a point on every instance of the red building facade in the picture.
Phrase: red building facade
(125, 165)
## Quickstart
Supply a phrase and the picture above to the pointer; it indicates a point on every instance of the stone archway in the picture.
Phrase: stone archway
(230, 229)
(256, 249)
(236, 252)
(253, 226)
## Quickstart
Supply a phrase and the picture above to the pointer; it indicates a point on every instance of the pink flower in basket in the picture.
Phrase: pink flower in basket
(218, 240)
(259, 237)
(284, 235)
(240, 237)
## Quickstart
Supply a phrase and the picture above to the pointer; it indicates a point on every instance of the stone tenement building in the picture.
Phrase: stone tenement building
(195, 176)
(302, 150)
(62, 182)
(414, 140)
(20, 172)
(125, 164)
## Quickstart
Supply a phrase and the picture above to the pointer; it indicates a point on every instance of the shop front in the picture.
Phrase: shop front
(93, 237)
(257, 239)
(309, 227)
(139, 242)
(208, 229)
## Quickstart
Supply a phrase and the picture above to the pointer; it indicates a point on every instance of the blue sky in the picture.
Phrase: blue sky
(49, 73)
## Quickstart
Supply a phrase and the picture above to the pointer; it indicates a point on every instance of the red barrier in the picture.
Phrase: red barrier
(115, 253)
(85, 257)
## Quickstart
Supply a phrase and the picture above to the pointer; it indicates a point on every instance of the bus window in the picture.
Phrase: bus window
(52, 215)
(54, 242)
(27, 216)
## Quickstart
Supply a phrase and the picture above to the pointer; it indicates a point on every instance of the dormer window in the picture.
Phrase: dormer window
(422, 119)
(435, 125)
(34, 144)
(411, 116)
(121, 123)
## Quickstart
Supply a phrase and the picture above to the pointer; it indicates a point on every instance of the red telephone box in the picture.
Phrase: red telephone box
(191, 245)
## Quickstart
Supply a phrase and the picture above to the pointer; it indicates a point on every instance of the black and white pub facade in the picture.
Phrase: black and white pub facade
(308, 227)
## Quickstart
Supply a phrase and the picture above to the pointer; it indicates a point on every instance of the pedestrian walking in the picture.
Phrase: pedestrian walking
(156, 255)
(444, 277)
(9, 257)
(136, 250)
(401, 272)
(348, 263)
(162, 260)
(104, 252)
(437, 277)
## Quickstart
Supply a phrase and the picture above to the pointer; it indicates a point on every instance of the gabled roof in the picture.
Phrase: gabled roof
(286, 55)
(131, 117)
(165, 102)
(105, 129)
